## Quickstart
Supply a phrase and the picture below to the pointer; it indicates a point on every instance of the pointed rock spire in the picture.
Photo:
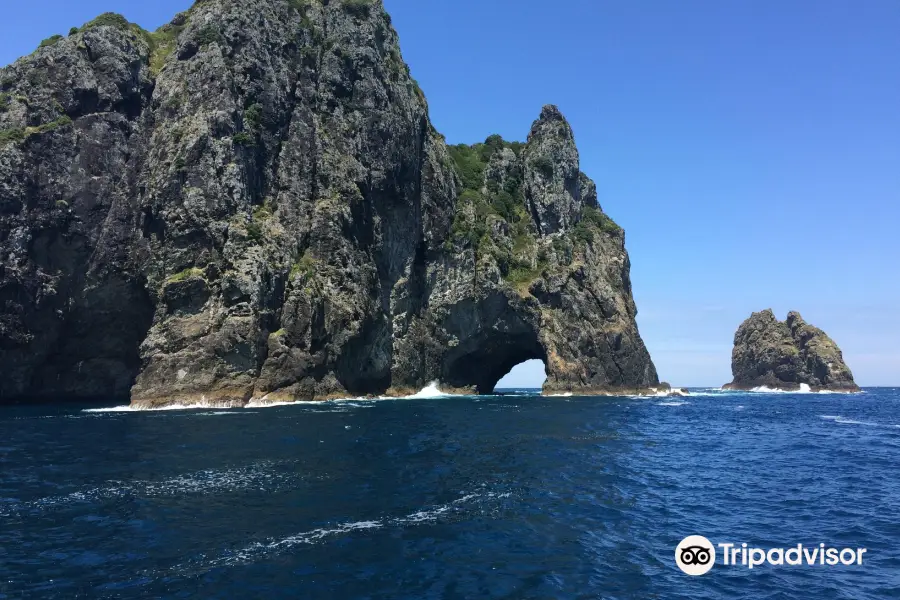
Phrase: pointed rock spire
(553, 181)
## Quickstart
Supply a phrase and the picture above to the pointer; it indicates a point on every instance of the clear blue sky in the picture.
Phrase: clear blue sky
(751, 150)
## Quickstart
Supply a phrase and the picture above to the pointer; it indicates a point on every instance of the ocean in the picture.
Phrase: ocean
(506, 496)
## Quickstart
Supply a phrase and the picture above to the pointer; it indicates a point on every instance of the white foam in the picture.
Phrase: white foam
(671, 403)
(424, 515)
(566, 395)
(358, 403)
(199, 406)
(762, 389)
(257, 476)
(259, 550)
(429, 391)
(263, 403)
(804, 389)
(669, 393)
(718, 392)
(255, 403)
(846, 421)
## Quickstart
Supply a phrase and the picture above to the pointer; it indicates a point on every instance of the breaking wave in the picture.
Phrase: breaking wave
(804, 389)
(429, 391)
(219, 410)
(717, 392)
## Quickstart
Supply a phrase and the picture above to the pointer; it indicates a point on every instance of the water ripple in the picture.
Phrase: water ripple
(491, 497)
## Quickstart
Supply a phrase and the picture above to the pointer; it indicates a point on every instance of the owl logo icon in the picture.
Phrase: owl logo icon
(695, 555)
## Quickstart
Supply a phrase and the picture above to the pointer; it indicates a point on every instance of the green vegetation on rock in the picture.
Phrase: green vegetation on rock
(243, 139)
(162, 44)
(255, 232)
(304, 267)
(522, 277)
(50, 41)
(55, 124)
(208, 35)
(592, 220)
(253, 115)
(8, 136)
(262, 212)
(6, 99)
(18, 134)
(470, 163)
(111, 19)
(482, 202)
(190, 273)
(492, 216)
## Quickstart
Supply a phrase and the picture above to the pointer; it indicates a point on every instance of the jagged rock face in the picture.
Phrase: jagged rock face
(784, 354)
(73, 304)
(553, 181)
(252, 203)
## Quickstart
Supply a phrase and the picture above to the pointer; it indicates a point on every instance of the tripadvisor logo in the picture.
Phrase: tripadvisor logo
(696, 555)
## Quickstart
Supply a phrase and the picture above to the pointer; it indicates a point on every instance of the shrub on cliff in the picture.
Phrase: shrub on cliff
(50, 41)
(593, 220)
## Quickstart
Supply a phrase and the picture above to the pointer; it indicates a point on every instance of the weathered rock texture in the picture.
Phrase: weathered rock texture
(251, 202)
(785, 354)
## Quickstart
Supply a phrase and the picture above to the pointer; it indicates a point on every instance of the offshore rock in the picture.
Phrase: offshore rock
(784, 355)
(252, 203)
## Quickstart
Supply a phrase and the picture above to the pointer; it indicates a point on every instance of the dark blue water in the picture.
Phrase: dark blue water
(494, 497)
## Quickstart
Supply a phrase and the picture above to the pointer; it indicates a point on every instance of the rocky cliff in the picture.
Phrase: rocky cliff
(252, 203)
(785, 354)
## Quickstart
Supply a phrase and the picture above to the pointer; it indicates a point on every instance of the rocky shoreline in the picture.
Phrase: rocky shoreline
(211, 401)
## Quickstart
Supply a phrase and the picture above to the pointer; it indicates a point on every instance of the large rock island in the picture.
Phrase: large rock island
(785, 355)
(252, 203)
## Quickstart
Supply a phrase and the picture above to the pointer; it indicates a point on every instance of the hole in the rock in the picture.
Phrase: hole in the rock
(493, 336)
(530, 374)
(482, 361)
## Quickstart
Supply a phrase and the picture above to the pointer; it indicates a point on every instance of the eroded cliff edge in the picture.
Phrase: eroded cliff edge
(785, 354)
(252, 202)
